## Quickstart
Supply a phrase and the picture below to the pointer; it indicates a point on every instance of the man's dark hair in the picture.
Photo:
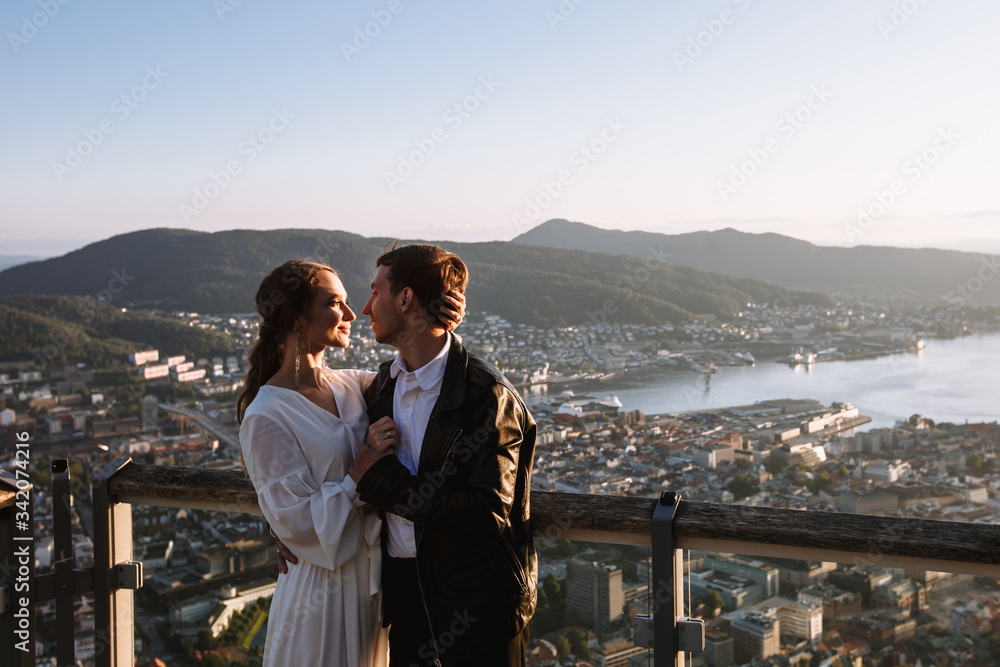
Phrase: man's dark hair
(429, 270)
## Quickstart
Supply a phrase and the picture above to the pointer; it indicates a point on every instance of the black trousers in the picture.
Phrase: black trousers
(410, 642)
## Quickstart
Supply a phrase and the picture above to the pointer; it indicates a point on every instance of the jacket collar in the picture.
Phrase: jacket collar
(455, 376)
(452, 387)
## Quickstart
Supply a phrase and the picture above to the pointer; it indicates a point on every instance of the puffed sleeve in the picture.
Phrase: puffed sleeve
(320, 522)
(362, 377)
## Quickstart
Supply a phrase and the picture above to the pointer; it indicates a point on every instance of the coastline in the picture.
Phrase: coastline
(947, 381)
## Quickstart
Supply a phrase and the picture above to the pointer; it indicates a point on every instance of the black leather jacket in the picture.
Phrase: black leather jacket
(469, 502)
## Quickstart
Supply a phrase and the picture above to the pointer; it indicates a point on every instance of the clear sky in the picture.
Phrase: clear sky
(476, 121)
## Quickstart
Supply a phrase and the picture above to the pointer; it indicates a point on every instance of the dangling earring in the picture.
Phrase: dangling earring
(297, 337)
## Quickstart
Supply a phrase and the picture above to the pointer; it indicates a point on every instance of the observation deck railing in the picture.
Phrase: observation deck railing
(763, 531)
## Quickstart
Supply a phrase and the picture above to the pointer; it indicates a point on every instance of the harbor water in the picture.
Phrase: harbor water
(948, 381)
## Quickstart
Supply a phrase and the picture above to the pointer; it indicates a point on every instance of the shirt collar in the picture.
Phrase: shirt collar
(431, 373)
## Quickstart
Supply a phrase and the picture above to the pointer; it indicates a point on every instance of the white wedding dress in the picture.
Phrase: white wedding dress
(325, 611)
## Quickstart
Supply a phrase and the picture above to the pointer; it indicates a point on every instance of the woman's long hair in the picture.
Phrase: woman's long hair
(284, 295)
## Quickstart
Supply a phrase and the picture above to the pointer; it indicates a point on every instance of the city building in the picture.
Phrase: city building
(755, 636)
(143, 357)
(719, 644)
(616, 653)
(886, 471)
(737, 592)
(873, 502)
(799, 619)
(757, 571)
(595, 594)
(836, 603)
(879, 628)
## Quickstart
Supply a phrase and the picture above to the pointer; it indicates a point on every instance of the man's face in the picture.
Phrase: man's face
(384, 308)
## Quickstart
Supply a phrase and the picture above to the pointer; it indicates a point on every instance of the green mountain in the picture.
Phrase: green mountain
(862, 270)
(54, 331)
(219, 273)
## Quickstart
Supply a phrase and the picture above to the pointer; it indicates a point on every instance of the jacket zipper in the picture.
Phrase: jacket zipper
(427, 611)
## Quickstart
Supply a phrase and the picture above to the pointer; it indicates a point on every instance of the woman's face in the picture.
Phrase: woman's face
(330, 316)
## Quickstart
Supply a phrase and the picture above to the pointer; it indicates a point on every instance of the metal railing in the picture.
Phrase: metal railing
(942, 546)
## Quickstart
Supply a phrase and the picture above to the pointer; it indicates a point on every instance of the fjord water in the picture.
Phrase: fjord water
(948, 381)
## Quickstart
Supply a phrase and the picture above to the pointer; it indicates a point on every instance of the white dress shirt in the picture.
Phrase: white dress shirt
(414, 398)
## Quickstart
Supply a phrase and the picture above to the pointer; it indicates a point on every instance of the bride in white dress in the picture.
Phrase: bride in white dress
(301, 427)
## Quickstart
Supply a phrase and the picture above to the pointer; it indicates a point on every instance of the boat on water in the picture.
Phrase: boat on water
(801, 358)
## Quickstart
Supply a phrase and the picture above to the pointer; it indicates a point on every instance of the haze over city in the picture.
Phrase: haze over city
(473, 123)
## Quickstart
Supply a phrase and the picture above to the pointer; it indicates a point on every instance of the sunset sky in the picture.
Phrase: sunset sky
(476, 121)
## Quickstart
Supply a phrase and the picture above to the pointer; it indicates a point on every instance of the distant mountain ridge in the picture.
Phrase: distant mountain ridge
(7, 261)
(219, 273)
(863, 270)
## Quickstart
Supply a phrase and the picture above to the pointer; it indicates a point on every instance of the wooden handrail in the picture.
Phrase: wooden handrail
(795, 534)
(8, 489)
(6, 498)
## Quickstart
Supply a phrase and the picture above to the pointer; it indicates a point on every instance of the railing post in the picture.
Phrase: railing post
(668, 583)
(62, 563)
(115, 575)
(17, 573)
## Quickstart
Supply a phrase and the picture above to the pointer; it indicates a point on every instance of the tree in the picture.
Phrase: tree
(713, 601)
(774, 466)
(553, 589)
(994, 646)
(562, 646)
(213, 660)
(205, 640)
(543, 598)
(974, 462)
(742, 487)
(551, 612)
(578, 643)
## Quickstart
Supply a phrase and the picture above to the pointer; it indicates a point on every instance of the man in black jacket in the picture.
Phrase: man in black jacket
(448, 462)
